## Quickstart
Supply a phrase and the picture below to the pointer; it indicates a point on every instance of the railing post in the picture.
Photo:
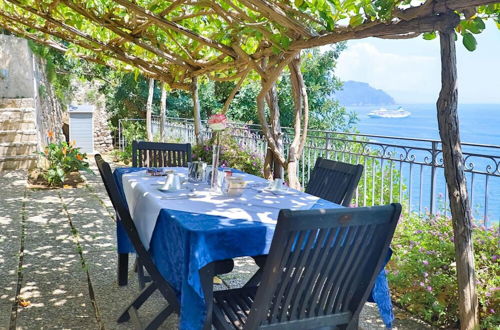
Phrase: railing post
(120, 143)
(327, 145)
(434, 152)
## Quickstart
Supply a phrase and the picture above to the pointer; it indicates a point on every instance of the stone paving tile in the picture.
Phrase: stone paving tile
(96, 228)
(53, 278)
(12, 187)
(47, 223)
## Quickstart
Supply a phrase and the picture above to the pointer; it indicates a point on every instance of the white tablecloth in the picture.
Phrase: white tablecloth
(145, 200)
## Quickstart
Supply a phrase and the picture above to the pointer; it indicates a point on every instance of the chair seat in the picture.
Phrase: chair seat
(231, 307)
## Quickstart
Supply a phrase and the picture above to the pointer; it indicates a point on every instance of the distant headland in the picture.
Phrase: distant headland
(356, 93)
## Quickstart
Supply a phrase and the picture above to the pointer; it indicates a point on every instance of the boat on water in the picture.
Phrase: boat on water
(392, 113)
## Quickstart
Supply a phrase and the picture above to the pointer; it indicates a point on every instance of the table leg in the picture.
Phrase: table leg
(207, 281)
(122, 269)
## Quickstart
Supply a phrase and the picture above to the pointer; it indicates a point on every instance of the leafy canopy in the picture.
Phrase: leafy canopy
(223, 40)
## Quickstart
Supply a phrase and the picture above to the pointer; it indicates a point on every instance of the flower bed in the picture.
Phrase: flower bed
(422, 271)
(64, 161)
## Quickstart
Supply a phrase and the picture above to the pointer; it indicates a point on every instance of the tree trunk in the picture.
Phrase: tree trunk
(269, 164)
(196, 111)
(163, 111)
(267, 83)
(455, 179)
(300, 121)
(149, 110)
(274, 111)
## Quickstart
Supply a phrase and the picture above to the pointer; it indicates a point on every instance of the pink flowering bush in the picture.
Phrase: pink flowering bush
(422, 271)
(232, 155)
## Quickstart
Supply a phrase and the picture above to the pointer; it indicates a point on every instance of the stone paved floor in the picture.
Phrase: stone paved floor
(57, 252)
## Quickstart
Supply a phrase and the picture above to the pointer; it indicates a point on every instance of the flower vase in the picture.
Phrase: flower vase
(215, 162)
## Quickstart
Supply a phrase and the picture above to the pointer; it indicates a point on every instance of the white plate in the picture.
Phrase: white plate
(280, 191)
(182, 190)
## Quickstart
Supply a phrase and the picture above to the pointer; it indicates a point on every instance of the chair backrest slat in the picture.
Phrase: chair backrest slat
(299, 307)
(334, 181)
(321, 266)
(156, 154)
(124, 216)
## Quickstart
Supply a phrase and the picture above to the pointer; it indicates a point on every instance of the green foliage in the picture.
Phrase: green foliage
(377, 186)
(131, 131)
(232, 154)
(422, 271)
(318, 71)
(63, 158)
(61, 70)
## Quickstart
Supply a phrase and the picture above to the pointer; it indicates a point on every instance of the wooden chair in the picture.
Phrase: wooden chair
(157, 280)
(321, 268)
(156, 154)
(334, 181)
(330, 180)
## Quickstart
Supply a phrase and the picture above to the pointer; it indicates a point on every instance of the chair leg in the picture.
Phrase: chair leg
(160, 318)
(141, 275)
(138, 301)
(354, 324)
(207, 283)
(122, 269)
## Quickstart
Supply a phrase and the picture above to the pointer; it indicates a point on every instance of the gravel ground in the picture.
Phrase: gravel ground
(58, 259)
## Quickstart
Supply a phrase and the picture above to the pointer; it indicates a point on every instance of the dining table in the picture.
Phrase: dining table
(187, 230)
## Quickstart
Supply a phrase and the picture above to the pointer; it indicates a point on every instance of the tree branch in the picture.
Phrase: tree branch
(176, 27)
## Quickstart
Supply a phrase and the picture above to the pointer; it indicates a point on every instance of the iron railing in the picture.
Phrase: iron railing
(396, 169)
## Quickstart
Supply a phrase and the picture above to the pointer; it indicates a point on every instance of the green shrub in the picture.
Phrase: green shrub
(131, 131)
(232, 155)
(63, 158)
(422, 271)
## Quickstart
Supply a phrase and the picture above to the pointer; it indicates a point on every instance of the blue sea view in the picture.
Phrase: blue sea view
(479, 124)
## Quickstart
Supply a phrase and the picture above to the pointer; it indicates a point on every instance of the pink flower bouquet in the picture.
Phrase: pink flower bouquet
(217, 122)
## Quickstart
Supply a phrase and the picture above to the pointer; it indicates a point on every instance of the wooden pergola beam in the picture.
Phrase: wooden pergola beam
(379, 29)
(435, 7)
(170, 57)
(115, 52)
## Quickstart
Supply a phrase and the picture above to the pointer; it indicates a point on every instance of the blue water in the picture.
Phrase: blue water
(479, 123)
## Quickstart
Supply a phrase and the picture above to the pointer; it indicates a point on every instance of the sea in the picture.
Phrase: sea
(479, 124)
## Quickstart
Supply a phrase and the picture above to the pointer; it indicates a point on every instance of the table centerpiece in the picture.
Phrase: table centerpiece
(217, 123)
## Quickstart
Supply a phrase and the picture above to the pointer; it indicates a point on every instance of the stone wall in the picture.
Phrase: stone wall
(49, 112)
(16, 68)
(23, 75)
(88, 93)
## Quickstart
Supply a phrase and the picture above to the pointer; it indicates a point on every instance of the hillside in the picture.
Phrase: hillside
(355, 93)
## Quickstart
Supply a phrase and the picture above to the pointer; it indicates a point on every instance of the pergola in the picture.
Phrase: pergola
(179, 41)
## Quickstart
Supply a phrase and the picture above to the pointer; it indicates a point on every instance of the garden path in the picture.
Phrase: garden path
(57, 253)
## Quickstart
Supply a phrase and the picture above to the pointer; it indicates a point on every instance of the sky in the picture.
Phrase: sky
(409, 70)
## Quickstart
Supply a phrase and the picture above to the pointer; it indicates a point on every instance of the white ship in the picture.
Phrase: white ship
(385, 113)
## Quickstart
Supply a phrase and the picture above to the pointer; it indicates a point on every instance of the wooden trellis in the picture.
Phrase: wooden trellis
(179, 41)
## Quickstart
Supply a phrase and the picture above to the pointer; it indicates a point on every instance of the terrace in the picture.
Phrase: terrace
(59, 254)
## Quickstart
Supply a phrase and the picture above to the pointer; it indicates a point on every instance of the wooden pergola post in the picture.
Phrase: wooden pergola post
(163, 111)
(455, 179)
(149, 110)
(196, 110)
